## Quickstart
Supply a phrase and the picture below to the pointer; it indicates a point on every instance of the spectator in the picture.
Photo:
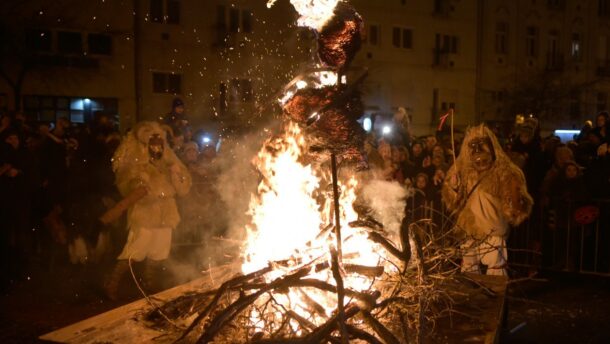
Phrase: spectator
(528, 144)
(419, 156)
(563, 155)
(431, 142)
(601, 127)
(15, 206)
(568, 192)
(390, 168)
(177, 119)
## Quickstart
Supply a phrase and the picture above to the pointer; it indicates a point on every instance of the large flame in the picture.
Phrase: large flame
(291, 219)
(313, 13)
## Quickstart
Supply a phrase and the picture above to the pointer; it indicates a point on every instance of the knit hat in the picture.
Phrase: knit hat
(177, 102)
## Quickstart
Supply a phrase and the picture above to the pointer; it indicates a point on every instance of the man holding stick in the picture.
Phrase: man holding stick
(149, 175)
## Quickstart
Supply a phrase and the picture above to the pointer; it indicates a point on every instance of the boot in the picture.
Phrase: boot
(151, 272)
(112, 285)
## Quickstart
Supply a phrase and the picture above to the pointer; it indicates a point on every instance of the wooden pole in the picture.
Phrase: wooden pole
(333, 162)
(337, 255)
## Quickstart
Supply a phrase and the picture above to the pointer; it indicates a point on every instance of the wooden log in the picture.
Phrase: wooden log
(115, 212)
(383, 332)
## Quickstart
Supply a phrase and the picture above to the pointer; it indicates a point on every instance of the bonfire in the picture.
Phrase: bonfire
(322, 260)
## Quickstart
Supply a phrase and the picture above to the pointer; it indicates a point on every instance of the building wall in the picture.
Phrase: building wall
(409, 77)
(83, 74)
(206, 52)
(421, 74)
(560, 21)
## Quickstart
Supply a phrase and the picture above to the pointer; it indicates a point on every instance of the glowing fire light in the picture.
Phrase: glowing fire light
(288, 219)
(314, 13)
(292, 213)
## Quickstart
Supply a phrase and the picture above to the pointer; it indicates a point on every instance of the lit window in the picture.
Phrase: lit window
(576, 46)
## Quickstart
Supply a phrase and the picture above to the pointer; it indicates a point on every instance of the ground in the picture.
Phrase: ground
(558, 308)
(566, 308)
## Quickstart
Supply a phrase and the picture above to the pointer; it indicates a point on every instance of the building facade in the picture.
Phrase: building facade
(549, 58)
(421, 55)
(487, 59)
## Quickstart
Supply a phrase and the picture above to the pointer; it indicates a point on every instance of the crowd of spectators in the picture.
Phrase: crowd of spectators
(56, 178)
(566, 179)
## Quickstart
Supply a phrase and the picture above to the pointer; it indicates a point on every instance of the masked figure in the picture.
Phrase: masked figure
(488, 193)
(149, 175)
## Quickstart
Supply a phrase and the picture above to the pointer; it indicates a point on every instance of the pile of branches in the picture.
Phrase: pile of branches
(400, 307)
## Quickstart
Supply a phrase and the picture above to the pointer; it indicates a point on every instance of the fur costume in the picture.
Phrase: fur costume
(503, 181)
(163, 178)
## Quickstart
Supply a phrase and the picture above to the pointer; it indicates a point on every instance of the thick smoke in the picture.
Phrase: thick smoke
(387, 201)
(214, 221)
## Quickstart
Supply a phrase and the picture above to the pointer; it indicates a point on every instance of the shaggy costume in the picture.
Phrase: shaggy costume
(486, 200)
(144, 161)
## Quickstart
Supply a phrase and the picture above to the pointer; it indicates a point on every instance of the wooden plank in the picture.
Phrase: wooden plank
(120, 324)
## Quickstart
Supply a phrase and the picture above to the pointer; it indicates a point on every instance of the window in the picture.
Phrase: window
(165, 11)
(442, 7)
(99, 44)
(407, 38)
(576, 46)
(373, 37)
(69, 42)
(222, 99)
(221, 20)
(39, 40)
(446, 44)
(156, 11)
(553, 54)
(75, 109)
(603, 8)
(454, 45)
(167, 83)
(531, 41)
(396, 37)
(173, 11)
(555, 4)
(234, 20)
(240, 90)
(574, 105)
(602, 101)
(246, 20)
(239, 20)
(502, 38)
